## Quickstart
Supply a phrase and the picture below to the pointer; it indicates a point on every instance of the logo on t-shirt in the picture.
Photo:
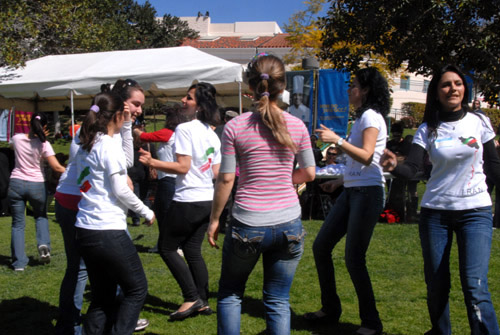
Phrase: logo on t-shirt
(469, 141)
(207, 159)
(86, 185)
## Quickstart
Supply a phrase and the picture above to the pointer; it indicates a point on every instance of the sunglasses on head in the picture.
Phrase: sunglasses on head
(130, 82)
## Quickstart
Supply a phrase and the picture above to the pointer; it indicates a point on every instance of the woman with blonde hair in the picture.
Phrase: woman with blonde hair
(266, 213)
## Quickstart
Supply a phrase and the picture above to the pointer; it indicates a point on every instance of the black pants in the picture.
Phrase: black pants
(112, 260)
(185, 227)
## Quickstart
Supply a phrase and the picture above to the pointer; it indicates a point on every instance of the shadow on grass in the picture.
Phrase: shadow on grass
(25, 316)
(7, 261)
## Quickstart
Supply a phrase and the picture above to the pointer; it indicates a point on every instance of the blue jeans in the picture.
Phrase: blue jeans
(112, 260)
(353, 215)
(21, 191)
(75, 278)
(474, 230)
(281, 247)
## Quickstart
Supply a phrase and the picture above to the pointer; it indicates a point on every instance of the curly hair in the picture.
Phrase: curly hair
(378, 95)
(266, 78)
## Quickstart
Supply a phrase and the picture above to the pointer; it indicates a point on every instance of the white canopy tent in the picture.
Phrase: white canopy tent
(50, 83)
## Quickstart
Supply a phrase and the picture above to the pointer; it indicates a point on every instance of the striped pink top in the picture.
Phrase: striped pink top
(265, 166)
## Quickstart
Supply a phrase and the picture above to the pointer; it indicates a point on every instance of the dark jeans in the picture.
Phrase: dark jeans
(75, 277)
(141, 190)
(163, 198)
(473, 229)
(353, 215)
(112, 260)
(186, 227)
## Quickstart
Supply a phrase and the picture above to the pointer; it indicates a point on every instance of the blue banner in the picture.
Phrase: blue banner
(333, 102)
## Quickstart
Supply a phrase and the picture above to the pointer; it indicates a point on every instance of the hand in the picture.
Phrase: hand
(388, 161)
(330, 186)
(326, 135)
(150, 222)
(145, 157)
(213, 233)
(127, 116)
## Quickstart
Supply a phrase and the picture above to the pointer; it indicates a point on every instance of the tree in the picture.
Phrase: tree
(305, 33)
(422, 35)
(32, 28)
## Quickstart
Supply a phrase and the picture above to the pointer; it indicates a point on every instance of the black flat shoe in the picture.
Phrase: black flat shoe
(188, 312)
(320, 317)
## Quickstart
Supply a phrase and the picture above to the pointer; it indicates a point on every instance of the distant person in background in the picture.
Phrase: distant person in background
(299, 110)
(165, 139)
(476, 106)
(27, 183)
(403, 196)
(332, 153)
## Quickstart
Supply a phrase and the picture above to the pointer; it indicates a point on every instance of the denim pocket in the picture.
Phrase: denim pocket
(246, 241)
(295, 236)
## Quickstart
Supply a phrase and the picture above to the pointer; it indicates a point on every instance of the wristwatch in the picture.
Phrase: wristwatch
(340, 142)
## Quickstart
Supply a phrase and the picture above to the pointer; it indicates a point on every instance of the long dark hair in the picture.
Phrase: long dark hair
(266, 77)
(208, 111)
(103, 110)
(37, 123)
(378, 95)
(433, 105)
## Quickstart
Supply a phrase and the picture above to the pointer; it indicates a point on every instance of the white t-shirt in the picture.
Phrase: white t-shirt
(198, 140)
(99, 208)
(457, 180)
(357, 174)
(165, 153)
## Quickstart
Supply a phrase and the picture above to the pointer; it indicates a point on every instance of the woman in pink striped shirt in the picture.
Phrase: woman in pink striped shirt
(266, 213)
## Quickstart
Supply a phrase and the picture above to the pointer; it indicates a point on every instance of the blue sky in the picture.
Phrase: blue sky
(230, 11)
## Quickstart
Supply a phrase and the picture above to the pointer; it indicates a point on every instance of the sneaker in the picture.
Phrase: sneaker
(19, 269)
(141, 325)
(44, 253)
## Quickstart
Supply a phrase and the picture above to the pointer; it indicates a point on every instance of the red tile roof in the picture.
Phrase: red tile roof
(277, 41)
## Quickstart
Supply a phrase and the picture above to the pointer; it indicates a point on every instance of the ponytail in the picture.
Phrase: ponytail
(37, 123)
(266, 77)
(101, 113)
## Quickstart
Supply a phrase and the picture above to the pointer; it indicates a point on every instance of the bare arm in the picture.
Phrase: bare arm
(364, 155)
(303, 175)
(182, 165)
(54, 164)
(223, 186)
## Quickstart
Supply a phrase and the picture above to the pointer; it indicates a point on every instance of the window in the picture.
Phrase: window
(426, 86)
(404, 82)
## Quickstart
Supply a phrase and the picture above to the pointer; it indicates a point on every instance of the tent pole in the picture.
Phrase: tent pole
(72, 116)
(239, 97)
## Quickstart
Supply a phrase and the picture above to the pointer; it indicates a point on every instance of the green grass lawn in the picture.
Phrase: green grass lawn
(29, 299)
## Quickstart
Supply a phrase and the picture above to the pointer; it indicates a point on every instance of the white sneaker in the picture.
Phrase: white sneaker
(141, 325)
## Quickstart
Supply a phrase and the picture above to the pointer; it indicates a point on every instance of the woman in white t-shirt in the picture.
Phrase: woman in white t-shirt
(108, 252)
(197, 150)
(358, 208)
(27, 183)
(461, 146)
